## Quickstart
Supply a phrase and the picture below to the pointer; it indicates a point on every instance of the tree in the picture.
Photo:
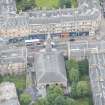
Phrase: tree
(25, 4)
(68, 3)
(25, 99)
(41, 101)
(1, 78)
(74, 75)
(84, 67)
(74, 3)
(53, 92)
(83, 88)
(73, 89)
(72, 64)
(62, 3)
(55, 89)
(51, 98)
(70, 101)
(60, 100)
(65, 3)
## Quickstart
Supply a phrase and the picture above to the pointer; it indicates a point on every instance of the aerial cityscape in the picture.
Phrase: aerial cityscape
(52, 52)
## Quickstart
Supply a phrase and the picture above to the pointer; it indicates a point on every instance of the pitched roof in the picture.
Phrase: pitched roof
(50, 67)
(7, 6)
(86, 10)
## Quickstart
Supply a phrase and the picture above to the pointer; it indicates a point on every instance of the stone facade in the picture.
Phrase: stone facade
(13, 61)
(14, 26)
(70, 26)
(7, 7)
(85, 19)
(15, 68)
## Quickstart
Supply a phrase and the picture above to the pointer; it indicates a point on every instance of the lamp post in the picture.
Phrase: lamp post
(68, 49)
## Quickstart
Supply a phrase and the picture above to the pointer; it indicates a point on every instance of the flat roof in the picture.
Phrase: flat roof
(8, 94)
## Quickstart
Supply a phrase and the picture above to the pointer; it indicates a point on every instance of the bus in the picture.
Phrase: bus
(32, 41)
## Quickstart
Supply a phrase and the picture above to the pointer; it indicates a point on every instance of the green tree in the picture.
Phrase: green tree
(60, 100)
(85, 101)
(1, 78)
(73, 90)
(55, 89)
(74, 3)
(72, 64)
(83, 88)
(53, 92)
(25, 4)
(25, 99)
(62, 3)
(74, 75)
(65, 3)
(84, 67)
(70, 101)
(41, 101)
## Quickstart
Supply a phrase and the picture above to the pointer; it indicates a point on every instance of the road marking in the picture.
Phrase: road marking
(75, 49)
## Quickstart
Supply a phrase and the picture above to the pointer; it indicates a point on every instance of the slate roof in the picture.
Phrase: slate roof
(86, 10)
(13, 55)
(50, 67)
(14, 22)
(7, 7)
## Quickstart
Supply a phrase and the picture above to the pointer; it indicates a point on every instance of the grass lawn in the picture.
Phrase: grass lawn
(47, 4)
(19, 80)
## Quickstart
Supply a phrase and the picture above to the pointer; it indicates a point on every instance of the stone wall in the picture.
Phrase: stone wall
(15, 68)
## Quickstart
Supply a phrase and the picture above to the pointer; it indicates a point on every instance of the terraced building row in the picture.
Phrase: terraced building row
(82, 21)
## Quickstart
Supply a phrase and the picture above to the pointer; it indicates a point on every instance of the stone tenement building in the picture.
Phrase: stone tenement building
(82, 21)
(14, 26)
(12, 61)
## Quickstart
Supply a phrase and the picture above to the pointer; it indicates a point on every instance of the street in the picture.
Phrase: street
(97, 77)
